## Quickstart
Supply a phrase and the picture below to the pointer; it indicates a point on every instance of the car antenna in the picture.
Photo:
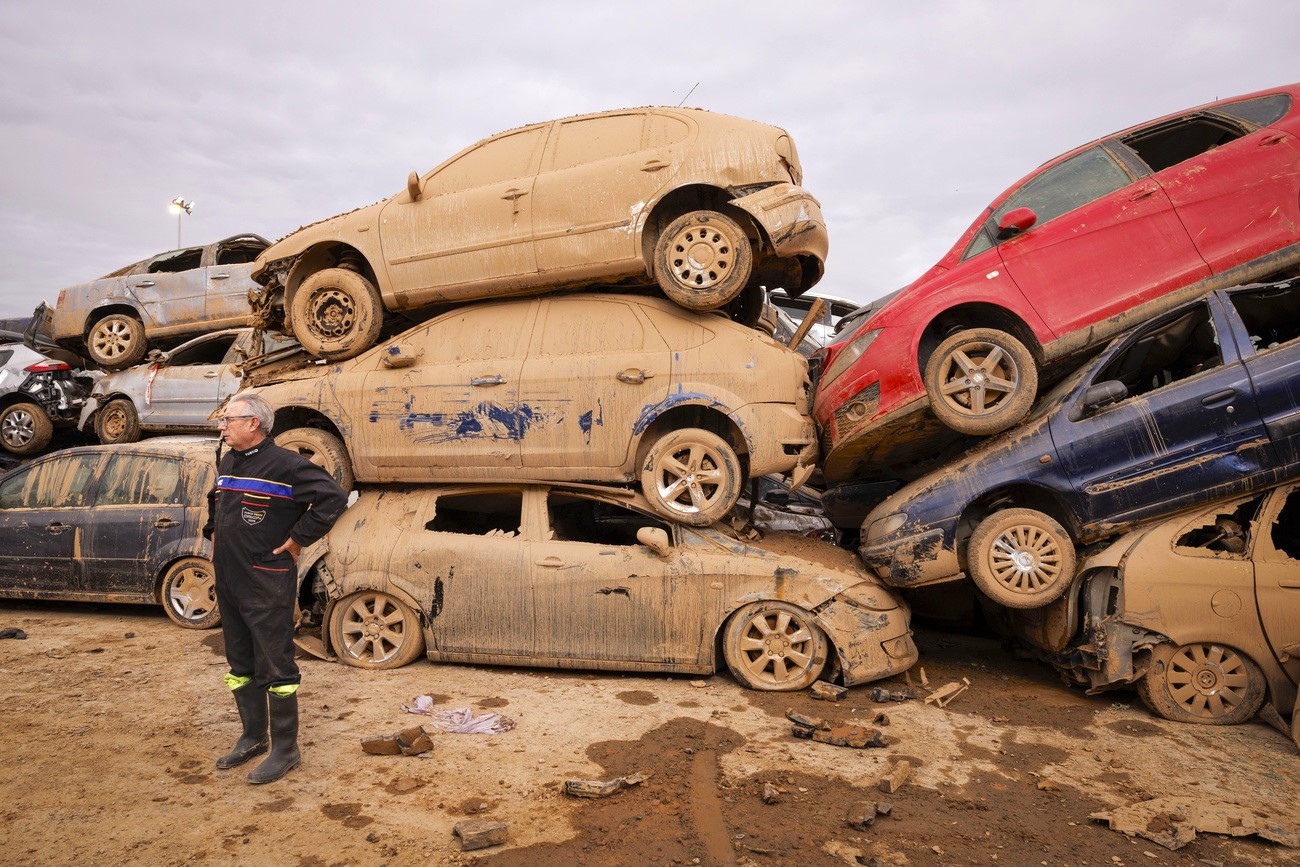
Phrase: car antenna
(688, 94)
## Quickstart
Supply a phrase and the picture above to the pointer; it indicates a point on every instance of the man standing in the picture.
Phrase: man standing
(267, 505)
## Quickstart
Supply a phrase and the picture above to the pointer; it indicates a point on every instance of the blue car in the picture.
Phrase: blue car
(1200, 404)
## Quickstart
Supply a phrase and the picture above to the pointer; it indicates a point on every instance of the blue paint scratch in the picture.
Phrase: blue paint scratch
(651, 412)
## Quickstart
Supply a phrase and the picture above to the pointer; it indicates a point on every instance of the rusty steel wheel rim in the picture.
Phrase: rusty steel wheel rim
(193, 594)
(331, 313)
(1025, 558)
(373, 628)
(112, 339)
(702, 255)
(691, 478)
(114, 423)
(978, 378)
(19, 428)
(776, 647)
(1206, 680)
(306, 450)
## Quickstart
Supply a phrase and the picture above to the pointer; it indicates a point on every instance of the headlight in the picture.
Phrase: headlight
(849, 354)
(886, 525)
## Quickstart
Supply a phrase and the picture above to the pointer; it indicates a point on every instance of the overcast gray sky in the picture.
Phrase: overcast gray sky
(909, 117)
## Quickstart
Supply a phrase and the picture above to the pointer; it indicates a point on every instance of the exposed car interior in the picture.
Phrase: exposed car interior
(176, 261)
(1227, 533)
(1180, 348)
(496, 513)
(579, 519)
(1172, 143)
(1272, 315)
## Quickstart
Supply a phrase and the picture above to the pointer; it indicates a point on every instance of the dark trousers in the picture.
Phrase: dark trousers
(257, 619)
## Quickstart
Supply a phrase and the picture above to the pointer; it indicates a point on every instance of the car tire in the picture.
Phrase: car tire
(323, 449)
(116, 341)
(1021, 558)
(774, 646)
(747, 307)
(25, 429)
(702, 260)
(117, 422)
(371, 629)
(336, 314)
(669, 477)
(981, 381)
(189, 594)
(1207, 684)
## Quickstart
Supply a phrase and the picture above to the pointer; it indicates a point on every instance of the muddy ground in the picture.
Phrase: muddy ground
(110, 719)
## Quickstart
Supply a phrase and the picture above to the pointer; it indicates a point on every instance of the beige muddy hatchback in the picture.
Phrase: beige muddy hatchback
(704, 205)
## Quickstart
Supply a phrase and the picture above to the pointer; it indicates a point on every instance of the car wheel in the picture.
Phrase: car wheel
(1202, 683)
(189, 594)
(1021, 558)
(117, 422)
(774, 646)
(747, 307)
(703, 260)
(323, 449)
(25, 429)
(691, 476)
(336, 314)
(371, 629)
(116, 341)
(981, 381)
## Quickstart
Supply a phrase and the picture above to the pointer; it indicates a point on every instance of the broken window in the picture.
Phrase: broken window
(1285, 533)
(1261, 111)
(1226, 532)
(1169, 144)
(176, 261)
(131, 480)
(476, 514)
(1271, 314)
(240, 251)
(581, 519)
(1177, 349)
(208, 352)
(57, 484)
(1072, 184)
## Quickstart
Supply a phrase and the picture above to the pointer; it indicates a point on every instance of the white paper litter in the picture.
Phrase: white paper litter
(460, 720)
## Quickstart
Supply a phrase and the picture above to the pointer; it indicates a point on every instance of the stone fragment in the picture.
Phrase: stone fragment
(811, 722)
(771, 794)
(412, 741)
(823, 691)
(896, 776)
(880, 695)
(856, 737)
(861, 815)
(1173, 822)
(479, 833)
(13, 632)
(604, 788)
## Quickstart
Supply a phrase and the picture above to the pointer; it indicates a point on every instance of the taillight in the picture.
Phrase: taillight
(47, 366)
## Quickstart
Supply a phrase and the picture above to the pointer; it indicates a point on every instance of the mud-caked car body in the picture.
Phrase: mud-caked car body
(37, 393)
(1198, 405)
(586, 387)
(157, 302)
(707, 206)
(177, 390)
(1090, 244)
(113, 524)
(572, 576)
(1200, 611)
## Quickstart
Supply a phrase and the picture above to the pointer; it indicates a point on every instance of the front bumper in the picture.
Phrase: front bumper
(928, 557)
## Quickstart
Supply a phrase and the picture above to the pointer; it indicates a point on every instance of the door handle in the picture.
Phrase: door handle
(1219, 397)
(1144, 193)
(654, 166)
(550, 562)
(212, 374)
(514, 195)
(220, 276)
(1275, 138)
(164, 523)
(145, 283)
(495, 379)
(55, 528)
(633, 376)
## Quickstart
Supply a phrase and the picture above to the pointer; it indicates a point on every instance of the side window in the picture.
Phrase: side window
(13, 489)
(1271, 315)
(1166, 354)
(578, 519)
(475, 514)
(666, 131)
(1222, 532)
(475, 335)
(1171, 143)
(177, 260)
(499, 159)
(1261, 111)
(1081, 179)
(597, 138)
(586, 326)
(982, 241)
(56, 484)
(1285, 532)
(140, 480)
(207, 352)
(239, 252)
(5, 355)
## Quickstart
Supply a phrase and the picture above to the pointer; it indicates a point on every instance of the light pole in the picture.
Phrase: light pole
(178, 207)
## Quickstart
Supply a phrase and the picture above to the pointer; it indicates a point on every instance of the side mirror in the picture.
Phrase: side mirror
(1015, 221)
(400, 355)
(1103, 393)
(655, 539)
(413, 186)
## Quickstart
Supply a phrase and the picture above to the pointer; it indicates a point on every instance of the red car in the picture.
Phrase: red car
(1086, 246)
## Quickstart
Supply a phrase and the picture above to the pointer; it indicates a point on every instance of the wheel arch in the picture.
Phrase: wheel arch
(290, 417)
(1014, 495)
(694, 197)
(695, 415)
(360, 582)
(108, 310)
(323, 255)
(976, 314)
(170, 555)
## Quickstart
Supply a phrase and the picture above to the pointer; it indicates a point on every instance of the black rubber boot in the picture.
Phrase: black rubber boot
(284, 755)
(252, 713)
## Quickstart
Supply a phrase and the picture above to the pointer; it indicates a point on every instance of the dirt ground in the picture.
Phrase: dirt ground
(110, 719)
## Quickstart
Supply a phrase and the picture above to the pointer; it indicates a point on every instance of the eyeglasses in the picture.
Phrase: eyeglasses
(225, 419)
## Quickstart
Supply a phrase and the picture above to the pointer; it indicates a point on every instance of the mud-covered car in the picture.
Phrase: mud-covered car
(113, 524)
(589, 387)
(704, 205)
(36, 394)
(156, 302)
(178, 390)
(1201, 612)
(1090, 244)
(1198, 405)
(582, 577)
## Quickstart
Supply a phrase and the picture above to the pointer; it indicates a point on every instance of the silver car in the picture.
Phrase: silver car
(36, 393)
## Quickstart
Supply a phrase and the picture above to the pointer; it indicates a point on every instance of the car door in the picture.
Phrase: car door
(139, 510)
(471, 228)
(593, 367)
(599, 595)
(1277, 575)
(44, 512)
(229, 278)
(1268, 335)
(191, 380)
(173, 288)
(456, 406)
(1188, 431)
(1103, 242)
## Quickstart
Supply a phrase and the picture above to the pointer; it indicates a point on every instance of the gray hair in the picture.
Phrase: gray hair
(258, 407)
